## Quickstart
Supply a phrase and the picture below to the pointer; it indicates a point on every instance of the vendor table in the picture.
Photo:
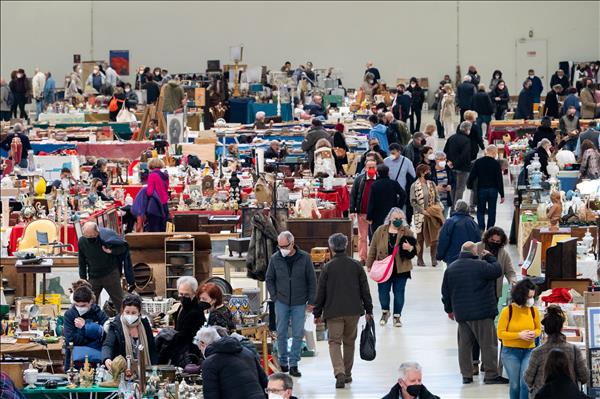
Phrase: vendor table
(93, 392)
(114, 149)
(341, 197)
(269, 110)
(10, 273)
(238, 109)
(53, 118)
(121, 129)
(98, 117)
(33, 350)
(46, 147)
(134, 189)
(51, 166)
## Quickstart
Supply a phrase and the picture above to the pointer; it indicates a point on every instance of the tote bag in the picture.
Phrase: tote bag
(367, 341)
(381, 270)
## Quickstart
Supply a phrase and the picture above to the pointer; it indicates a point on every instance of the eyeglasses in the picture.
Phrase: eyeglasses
(286, 246)
(272, 390)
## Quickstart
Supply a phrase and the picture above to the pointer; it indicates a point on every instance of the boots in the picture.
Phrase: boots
(434, 253)
(420, 247)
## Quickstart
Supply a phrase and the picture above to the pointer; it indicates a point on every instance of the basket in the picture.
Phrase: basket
(153, 306)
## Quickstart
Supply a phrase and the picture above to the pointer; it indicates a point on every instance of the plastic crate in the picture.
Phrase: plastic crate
(152, 306)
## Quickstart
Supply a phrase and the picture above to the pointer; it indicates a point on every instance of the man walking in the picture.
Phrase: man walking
(291, 283)
(359, 198)
(458, 152)
(342, 297)
(101, 265)
(38, 82)
(487, 173)
(464, 93)
(469, 298)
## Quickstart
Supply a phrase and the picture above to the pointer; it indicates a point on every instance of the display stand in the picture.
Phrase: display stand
(179, 261)
(592, 342)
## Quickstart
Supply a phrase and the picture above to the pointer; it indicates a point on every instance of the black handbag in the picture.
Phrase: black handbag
(367, 341)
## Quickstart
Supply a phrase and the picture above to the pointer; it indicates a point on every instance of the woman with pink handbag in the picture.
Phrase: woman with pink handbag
(389, 262)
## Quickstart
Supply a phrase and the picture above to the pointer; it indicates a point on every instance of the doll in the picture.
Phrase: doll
(305, 206)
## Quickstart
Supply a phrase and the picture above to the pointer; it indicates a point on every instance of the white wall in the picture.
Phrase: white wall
(402, 38)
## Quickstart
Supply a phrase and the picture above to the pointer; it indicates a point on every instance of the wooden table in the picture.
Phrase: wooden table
(27, 288)
(33, 350)
(258, 333)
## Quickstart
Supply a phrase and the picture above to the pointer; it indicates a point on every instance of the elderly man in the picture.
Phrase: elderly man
(315, 133)
(464, 95)
(100, 264)
(371, 69)
(274, 151)
(457, 230)
(189, 317)
(469, 298)
(316, 108)
(487, 173)
(291, 283)
(280, 386)
(458, 151)
(413, 149)
(409, 385)
(397, 131)
(259, 122)
(112, 78)
(342, 297)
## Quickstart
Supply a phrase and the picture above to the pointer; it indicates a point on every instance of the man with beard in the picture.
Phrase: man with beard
(494, 240)
(188, 320)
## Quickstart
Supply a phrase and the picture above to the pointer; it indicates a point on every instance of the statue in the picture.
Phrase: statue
(118, 366)
(101, 374)
(86, 375)
(554, 213)
(306, 205)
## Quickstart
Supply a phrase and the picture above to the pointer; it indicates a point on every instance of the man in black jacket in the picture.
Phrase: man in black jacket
(469, 298)
(525, 102)
(342, 297)
(291, 283)
(487, 173)
(409, 384)
(551, 105)
(464, 96)
(458, 152)
(385, 194)
(401, 104)
(482, 104)
(418, 98)
(315, 133)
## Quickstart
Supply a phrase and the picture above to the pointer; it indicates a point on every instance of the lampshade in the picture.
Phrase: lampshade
(235, 53)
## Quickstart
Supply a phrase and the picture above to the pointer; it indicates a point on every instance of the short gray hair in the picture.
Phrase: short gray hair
(440, 155)
(461, 206)
(465, 127)
(288, 383)
(391, 212)
(260, 114)
(467, 78)
(206, 335)
(543, 142)
(287, 235)
(468, 246)
(338, 242)
(408, 366)
(188, 280)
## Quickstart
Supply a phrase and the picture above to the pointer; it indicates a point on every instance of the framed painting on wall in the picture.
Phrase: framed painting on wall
(119, 61)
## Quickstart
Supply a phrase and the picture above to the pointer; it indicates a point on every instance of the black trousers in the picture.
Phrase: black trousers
(440, 129)
(20, 104)
(416, 113)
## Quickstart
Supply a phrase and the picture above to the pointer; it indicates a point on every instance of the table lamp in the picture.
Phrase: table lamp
(236, 53)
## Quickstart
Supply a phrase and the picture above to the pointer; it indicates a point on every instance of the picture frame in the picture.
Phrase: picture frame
(593, 317)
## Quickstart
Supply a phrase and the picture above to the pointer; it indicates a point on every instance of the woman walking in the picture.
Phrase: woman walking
(158, 181)
(448, 109)
(394, 232)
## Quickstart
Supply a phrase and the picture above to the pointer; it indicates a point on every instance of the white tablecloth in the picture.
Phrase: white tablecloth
(52, 164)
(53, 118)
(587, 267)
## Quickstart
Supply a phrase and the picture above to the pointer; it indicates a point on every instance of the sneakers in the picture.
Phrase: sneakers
(348, 380)
(384, 317)
(340, 381)
(284, 369)
(294, 372)
(397, 322)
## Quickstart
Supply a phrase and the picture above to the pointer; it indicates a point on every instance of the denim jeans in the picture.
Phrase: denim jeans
(481, 119)
(283, 314)
(39, 108)
(397, 284)
(486, 198)
(515, 362)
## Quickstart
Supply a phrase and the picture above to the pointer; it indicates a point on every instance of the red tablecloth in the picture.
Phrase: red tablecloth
(341, 197)
(496, 133)
(114, 149)
(133, 189)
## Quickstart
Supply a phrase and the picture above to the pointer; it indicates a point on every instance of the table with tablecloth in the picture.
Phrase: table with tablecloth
(97, 117)
(121, 129)
(525, 230)
(340, 196)
(114, 149)
(238, 109)
(46, 147)
(54, 118)
(17, 231)
(269, 110)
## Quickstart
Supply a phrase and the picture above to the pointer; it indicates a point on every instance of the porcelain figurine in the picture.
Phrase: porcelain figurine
(30, 376)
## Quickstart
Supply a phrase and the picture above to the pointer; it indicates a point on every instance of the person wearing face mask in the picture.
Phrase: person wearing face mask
(141, 76)
(524, 108)
(157, 74)
(518, 327)
(397, 131)
(409, 385)
(280, 386)
(96, 79)
(427, 157)
(373, 149)
(291, 283)
(487, 173)
(384, 195)
(188, 318)
(359, 198)
(229, 371)
(458, 151)
(393, 233)
(100, 264)
(442, 176)
(21, 89)
(127, 332)
(379, 131)
(552, 104)
(500, 98)
(130, 97)
(592, 133)
(97, 188)
(496, 77)
(560, 78)
(536, 86)
(418, 98)
(71, 91)
(117, 102)
(569, 129)
(469, 298)
(413, 149)
(83, 323)
(428, 216)
(402, 103)
(76, 77)
(219, 314)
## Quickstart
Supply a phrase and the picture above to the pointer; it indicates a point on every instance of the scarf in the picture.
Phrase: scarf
(143, 339)
(419, 217)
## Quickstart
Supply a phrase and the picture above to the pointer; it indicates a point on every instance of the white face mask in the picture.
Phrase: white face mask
(275, 396)
(127, 90)
(530, 302)
(82, 310)
(284, 252)
(431, 157)
(442, 164)
(131, 318)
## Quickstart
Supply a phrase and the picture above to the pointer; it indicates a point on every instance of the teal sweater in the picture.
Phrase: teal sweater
(94, 262)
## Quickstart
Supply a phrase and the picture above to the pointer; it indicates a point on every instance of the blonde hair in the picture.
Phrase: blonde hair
(470, 115)
(448, 88)
(155, 163)
(429, 129)
(323, 143)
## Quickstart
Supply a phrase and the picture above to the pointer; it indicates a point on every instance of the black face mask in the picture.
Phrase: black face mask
(92, 240)
(494, 247)
(376, 148)
(186, 301)
(414, 390)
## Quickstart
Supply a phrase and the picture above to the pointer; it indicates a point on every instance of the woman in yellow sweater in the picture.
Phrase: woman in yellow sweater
(518, 327)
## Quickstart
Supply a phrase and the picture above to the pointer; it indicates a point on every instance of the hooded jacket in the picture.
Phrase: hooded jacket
(263, 243)
(114, 344)
(469, 287)
(173, 96)
(457, 230)
(291, 280)
(231, 371)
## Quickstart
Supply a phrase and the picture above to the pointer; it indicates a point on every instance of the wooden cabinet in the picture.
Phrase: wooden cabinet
(310, 233)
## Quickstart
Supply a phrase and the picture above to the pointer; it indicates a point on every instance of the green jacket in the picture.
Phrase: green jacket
(94, 262)
(173, 96)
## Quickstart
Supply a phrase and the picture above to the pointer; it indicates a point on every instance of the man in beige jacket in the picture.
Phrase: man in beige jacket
(589, 107)
(38, 82)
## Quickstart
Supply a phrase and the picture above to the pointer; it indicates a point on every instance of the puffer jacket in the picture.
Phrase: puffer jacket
(231, 371)
(90, 335)
(457, 230)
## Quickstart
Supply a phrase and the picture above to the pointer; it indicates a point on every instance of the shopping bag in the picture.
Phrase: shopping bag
(367, 341)
(381, 270)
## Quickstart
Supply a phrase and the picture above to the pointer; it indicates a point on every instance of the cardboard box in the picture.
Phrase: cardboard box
(200, 96)
(206, 137)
